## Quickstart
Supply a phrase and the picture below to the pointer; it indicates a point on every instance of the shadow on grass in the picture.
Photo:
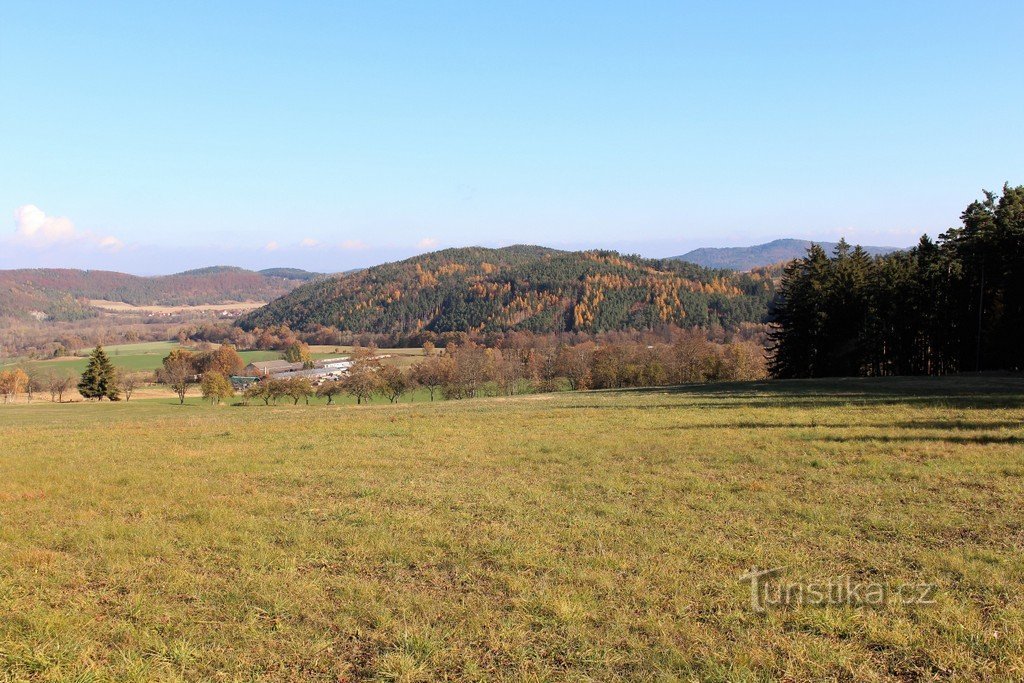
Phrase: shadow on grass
(959, 391)
(944, 425)
(961, 440)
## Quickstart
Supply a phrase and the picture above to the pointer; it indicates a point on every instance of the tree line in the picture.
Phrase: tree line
(468, 370)
(951, 305)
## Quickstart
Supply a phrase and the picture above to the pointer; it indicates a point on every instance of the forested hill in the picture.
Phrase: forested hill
(520, 288)
(776, 251)
(62, 293)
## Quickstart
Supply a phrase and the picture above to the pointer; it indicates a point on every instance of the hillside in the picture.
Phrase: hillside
(62, 293)
(520, 288)
(748, 258)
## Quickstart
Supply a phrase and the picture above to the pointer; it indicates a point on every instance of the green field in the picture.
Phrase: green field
(148, 356)
(580, 536)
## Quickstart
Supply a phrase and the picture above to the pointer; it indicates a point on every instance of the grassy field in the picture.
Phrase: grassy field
(147, 356)
(591, 536)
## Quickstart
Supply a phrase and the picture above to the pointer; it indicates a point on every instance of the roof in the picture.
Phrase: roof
(275, 365)
(332, 361)
(315, 372)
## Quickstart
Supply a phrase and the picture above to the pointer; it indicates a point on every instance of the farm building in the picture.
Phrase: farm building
(335, 363)
(312, 374)
(266, 368)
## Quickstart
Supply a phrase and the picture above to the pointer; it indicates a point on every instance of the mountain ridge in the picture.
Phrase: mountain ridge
(759, 255)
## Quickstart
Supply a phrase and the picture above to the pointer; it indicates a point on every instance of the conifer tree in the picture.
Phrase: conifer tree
(99, 380)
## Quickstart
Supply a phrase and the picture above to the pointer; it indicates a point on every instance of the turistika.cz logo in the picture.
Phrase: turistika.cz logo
(766, 592)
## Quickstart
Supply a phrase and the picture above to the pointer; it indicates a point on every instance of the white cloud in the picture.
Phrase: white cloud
(110, 243)
(33, 228)
(427, 243)
(354, 245)
(309, 243)
(272, 246)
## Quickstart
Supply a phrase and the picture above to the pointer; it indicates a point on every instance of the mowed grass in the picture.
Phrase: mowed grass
(573, 536)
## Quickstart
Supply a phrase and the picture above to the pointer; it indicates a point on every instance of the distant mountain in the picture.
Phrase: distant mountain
(520, 288)
(63, 293)
(290, 273)
(747, 258)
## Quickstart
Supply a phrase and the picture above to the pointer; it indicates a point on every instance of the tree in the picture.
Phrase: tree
(59, 384)
(276, 389)
(12, 382)
(33, 381)
(433, 372)
(573, 363)
(939, 307)
(178, 372)
(394, 382)
(363, 380)
(330, 389)
(472, 368)
(99, 380)
(297, 388)
(216, 387)
(297, 353)
(259, 390)
(224, 360)
(128, 382)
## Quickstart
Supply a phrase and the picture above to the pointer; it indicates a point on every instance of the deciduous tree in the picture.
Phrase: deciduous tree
(178, 372)
(216, 387)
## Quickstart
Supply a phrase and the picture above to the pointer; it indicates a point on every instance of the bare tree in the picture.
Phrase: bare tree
(129, 382)
(59, 384)
(33, 382)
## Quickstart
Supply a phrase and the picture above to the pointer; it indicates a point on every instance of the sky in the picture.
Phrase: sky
(153, 137)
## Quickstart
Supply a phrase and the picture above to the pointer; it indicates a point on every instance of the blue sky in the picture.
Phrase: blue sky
(151, 137)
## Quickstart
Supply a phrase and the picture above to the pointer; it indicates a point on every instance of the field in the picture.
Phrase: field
(572, 536)
(147, 356)
(233, 307)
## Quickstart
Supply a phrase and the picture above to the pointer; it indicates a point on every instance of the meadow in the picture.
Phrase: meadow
(148, 356)
(571, 536)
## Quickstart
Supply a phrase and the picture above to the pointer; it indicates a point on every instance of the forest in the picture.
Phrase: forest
(523, 288)
(945, 306)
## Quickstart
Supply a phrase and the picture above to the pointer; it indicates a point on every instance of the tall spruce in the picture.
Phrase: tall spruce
(954, 305)
(99, 380)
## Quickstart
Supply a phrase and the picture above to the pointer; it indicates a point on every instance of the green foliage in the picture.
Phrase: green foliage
(297, 353)
(99, 380)
(216, 387)
(954, 306)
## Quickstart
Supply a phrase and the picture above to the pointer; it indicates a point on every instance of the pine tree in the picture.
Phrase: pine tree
(99, 380)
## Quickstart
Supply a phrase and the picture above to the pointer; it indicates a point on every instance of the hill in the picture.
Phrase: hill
(290, 273)
(748, 258)
(62, 293)
(520, 288)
